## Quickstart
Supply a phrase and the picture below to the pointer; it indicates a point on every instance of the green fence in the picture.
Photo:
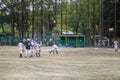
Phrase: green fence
(72, 40)
(7, 39)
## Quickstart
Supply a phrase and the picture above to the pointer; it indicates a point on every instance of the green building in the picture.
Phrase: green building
(72, 40)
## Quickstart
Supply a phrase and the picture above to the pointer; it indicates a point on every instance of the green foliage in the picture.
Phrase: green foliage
(109, 10)
(74, 16)
(7, 28)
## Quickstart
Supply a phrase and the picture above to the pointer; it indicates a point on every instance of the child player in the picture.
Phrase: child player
(54, 49)
(21, 48)
(116, 46)
(37, 48)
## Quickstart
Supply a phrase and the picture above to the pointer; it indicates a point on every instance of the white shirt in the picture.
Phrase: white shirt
(115, 44)
(32, 43)
(20, 45)
(54, 46)
(37, 46)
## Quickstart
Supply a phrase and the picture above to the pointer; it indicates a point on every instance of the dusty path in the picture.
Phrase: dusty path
(70, 64)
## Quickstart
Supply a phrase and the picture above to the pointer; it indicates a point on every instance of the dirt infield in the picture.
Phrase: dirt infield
(69, 64)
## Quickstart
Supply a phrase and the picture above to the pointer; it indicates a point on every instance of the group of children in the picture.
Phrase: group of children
(30, 45)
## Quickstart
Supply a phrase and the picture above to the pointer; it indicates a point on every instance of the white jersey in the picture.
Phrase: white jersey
(54, 46)
(32, 43)
(20, 45)
(37, 46)
(115, 44)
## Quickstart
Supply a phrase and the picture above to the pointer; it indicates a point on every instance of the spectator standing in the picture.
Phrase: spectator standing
(116, 45)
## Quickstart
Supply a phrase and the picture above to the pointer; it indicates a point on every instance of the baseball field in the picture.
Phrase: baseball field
(70, 64)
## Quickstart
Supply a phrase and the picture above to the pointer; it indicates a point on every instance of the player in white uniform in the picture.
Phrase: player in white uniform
(37, 48)
(116, 46)
(21, 47)
(54, 49)
(32, 45)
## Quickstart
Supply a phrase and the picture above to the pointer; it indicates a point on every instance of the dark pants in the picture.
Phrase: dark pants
(20, 55)
(54, 51)
(38, 54)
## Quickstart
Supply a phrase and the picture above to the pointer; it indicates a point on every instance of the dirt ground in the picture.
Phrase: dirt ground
(70, 64)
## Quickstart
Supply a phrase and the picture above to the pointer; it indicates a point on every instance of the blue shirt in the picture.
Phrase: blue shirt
(28, 45)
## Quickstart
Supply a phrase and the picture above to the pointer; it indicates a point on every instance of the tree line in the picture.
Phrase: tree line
(27, 18)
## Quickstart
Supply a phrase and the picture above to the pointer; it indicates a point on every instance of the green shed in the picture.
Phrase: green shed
(72, 40)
